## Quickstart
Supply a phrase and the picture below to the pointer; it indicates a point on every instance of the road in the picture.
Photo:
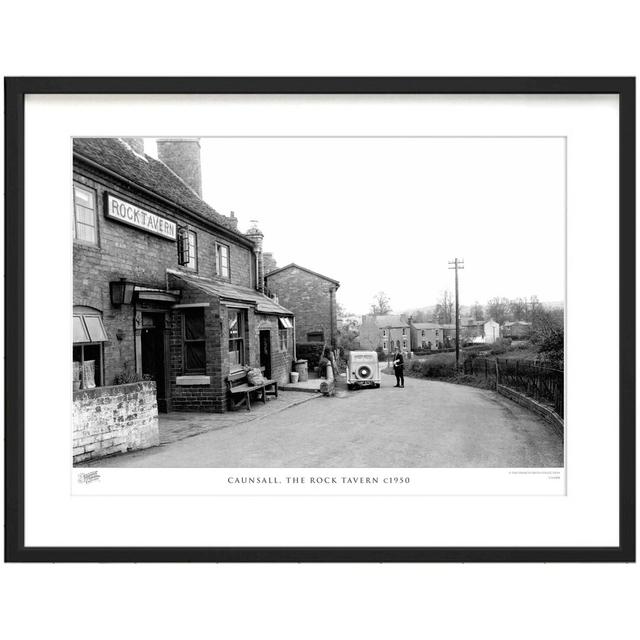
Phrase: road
(426, 424)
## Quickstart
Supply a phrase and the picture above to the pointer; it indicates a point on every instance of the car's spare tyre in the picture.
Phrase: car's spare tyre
(364, 372)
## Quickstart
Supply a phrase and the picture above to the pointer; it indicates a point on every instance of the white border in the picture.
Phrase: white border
(587, 516)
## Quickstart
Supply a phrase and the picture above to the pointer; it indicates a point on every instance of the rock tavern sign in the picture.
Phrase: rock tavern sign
(135, 216)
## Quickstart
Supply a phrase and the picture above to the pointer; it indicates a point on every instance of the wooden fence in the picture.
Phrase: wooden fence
(543, 384)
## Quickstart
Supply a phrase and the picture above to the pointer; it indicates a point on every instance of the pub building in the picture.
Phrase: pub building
(165, 287)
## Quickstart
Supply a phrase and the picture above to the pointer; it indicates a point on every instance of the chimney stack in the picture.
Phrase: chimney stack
(233, 220)
(269, 262)
(137, 144)
(257, 236)
(182, 156)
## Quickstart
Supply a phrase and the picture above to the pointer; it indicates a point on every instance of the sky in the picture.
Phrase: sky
(388, 214)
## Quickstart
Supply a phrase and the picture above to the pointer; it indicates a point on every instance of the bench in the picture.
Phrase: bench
(240, 390)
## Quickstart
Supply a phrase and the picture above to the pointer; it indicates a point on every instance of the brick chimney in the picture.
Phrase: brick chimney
(137, 144)
(182, 156)
(269, 262)
(233, 220)
(254, 234)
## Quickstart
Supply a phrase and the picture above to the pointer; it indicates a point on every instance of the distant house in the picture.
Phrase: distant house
(448, 335)
(312, 297)
(426, 335)
(491, 331)
(470, 329)
(518, 330)
(386, 331)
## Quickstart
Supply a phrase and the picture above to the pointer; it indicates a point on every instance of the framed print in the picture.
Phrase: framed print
(320, 319)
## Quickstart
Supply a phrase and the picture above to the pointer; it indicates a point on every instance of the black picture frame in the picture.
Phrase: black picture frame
(15, 91)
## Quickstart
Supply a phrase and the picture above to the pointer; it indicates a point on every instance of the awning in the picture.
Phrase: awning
(228, 292)
(88, 328)
(157, 295)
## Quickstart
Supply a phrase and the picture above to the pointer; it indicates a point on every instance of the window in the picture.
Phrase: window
(88, 336)
(237, 324)
(222, 260)
(384, 333)
(84, 211)
(284, 332)
(194, 352)
(188, 249)
(404, 344)
(404, 332)
(423, 332)
(384, 344)
(315, 336)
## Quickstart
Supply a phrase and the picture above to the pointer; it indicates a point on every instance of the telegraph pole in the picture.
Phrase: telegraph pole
(457, 263)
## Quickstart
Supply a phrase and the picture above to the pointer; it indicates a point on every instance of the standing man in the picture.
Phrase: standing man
(398, 368)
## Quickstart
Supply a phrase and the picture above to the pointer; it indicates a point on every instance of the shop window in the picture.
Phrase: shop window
(222, 260)
(88, 338)
(315, 336)
(84, 212)
(194, 352)
(237, 328)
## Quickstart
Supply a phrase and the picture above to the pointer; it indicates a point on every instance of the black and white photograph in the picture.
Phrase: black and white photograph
(319, 302)
(362, 317)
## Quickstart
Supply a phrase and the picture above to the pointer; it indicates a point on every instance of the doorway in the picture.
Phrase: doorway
(265, 352)
(153, 354)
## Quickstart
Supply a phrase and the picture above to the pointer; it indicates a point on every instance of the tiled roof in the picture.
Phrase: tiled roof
(235, 293)
(425, 325)
(152, 174)
(293, 265)
(382, 322)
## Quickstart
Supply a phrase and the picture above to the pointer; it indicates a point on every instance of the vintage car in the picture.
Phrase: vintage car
(363, 369)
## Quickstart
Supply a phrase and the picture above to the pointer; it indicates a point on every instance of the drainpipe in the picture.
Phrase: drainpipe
(294, 340)
(332, 293)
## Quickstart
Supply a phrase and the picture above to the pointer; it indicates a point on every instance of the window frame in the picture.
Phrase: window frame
(93, 193)
(189, 341)
(99, 368)
(283, 339)
(193, 256)
(315, 333)
(219, 263)
(241, 314)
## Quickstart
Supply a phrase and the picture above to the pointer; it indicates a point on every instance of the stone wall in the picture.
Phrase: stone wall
(112, 420)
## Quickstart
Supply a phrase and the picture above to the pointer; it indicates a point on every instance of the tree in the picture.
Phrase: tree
(443, 313)
(498, 309)
(381, 304)
(477, 311)
(518, 309)
(419, 315)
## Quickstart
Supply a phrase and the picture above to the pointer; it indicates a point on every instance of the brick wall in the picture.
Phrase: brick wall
(127, 252)
(281, 359)
(310, 298)
(111, 420)
(371, 336)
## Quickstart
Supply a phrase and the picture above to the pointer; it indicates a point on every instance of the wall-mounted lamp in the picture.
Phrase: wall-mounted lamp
(121, 291)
